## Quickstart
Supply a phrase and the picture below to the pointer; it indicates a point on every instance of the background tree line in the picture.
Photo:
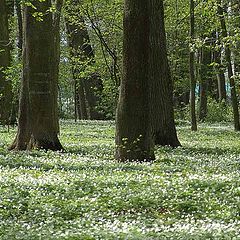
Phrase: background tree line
(76, 47)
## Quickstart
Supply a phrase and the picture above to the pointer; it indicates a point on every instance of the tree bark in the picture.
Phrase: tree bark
(5, 57)
(161, 88)
(133, 127)
(38, 122)
(191, 70)
(20, 28)
(222, 94)
(205, 81)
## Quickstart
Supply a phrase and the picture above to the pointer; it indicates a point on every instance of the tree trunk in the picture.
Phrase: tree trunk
(38, 126)
(20, 28)
(191, 70)
(82, 56)
(93, 86)
(222, 95)
(56, 58)
(133, 130)
(81, 97)
(205, 79)
(5, 57)
(229, 67)
(161, 89)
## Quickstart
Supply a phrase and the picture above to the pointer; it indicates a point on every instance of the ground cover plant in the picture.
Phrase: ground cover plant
(192, 192)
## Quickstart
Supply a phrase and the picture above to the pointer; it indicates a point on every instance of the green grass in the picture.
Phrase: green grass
(191, 192)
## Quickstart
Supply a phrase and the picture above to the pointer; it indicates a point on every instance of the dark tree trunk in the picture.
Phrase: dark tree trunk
(20, 28)
(56, 58)
(38, 122)
(229, 67)
(133, 130)
(191, 70)
(161, 89)
(93, 86)
(81, 97)
(205, 80)
(5, 57)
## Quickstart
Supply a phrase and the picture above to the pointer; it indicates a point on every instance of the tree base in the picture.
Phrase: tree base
(167, 141)
(44, 144)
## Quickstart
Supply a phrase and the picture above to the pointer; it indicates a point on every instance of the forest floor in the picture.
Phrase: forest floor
(192, 192)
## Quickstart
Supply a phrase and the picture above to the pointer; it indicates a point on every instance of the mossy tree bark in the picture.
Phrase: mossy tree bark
(5, 58)
(161, 88)
(133, 127)
(38, 122)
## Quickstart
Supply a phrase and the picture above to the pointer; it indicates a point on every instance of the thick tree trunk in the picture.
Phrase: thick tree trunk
(230, 69)
(191, 71)
(5, 57)
(38, 126)
(161, 89)
(133, 130)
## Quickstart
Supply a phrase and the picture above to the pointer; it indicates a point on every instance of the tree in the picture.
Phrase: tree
(221, 82)
(205, 79)
(88, 83)
(224, 34)
(191, 70)
(5, 57)
(161, 89)
(133, 128)
(38, 121)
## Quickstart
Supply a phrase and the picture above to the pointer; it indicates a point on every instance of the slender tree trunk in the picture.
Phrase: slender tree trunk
(161, 89)
(222, 95)
(230, 69)
(56, 58)
(133, 130)
(5, 57)
(205, 80)
(38, 126)
(81, 96)
(20, 28)
(191, 70)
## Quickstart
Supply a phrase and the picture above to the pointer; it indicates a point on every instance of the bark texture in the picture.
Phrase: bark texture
(205, 80)
(161, 87)
(5, 57)
(133, 127)
(38, 121)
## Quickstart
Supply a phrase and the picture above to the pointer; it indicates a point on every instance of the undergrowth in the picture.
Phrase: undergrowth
(192, 192)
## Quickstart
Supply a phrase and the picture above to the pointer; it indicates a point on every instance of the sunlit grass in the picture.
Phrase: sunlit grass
(191, 192)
